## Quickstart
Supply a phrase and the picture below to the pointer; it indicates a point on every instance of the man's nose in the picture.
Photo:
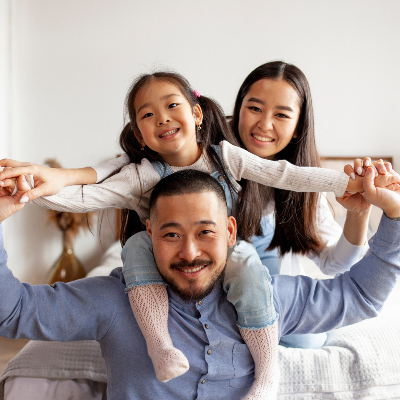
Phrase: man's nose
(189, 250)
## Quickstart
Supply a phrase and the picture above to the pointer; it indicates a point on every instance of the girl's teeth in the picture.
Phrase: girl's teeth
(169, 133)
(262, 139)
(191, 270)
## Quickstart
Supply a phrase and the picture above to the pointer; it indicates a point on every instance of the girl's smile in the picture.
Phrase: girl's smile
(167, 123)
(268, 117)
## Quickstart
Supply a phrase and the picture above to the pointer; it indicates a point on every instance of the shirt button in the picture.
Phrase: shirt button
(221, 178)
(200, 303)
(206, 326)
(203, 381)
(208, 352)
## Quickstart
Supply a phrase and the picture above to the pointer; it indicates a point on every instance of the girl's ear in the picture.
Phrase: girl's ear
(139, 137)
(198, 114)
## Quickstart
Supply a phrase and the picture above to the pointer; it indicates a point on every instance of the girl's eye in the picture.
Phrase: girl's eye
(172, 105)
(147, 115)
(254, 108)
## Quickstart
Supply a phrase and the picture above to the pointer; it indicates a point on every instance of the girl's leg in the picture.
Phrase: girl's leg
(248, 287)
(149, 302)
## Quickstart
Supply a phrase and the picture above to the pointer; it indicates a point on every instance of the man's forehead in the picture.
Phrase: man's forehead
(195, 207)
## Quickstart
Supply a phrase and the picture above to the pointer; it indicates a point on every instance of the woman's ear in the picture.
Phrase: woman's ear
(198, 114)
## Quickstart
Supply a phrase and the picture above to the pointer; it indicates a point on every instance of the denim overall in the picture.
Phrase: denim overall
(248, 289)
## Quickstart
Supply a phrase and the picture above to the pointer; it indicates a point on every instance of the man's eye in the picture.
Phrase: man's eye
(206, 231)
(147, 115)
(171, 234)
(172, 105)
(254, 108)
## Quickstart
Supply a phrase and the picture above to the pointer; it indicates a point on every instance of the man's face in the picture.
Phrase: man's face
(190, 235)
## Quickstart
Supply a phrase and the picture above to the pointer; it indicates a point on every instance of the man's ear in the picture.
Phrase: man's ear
(148, 228)
(198, 114)
(139, 137)
(231, 231)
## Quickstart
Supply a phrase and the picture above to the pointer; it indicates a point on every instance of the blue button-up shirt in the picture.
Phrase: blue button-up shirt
(221, 366)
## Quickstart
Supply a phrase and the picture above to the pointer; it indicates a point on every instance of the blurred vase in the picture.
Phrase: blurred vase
(67, 268)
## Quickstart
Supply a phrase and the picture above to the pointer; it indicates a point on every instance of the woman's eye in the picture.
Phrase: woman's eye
(254, 108)
(172, 105)
(280, 115)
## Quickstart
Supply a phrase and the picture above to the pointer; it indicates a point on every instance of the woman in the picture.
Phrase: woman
(273, 118)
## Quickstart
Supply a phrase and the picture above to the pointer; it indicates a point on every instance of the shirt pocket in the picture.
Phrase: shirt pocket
(243, 366)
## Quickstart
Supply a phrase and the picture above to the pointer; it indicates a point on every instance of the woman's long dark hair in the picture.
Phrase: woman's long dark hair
(214, 128)
(295, 213)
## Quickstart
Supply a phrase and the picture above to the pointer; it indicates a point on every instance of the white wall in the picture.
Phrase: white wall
(72, 63)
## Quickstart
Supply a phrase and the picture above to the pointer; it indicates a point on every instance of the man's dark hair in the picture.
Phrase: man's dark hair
(185, 182)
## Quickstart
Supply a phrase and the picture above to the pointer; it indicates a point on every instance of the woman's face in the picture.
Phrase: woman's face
(268, 117)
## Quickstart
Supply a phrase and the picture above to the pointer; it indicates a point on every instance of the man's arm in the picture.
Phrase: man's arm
(311, 306)
(318, 306)
(80, 310)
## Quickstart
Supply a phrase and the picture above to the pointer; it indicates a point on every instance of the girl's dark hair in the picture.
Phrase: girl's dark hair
(295, 213)
(214, 128)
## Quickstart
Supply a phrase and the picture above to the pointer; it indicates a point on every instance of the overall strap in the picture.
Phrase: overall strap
(162, 168)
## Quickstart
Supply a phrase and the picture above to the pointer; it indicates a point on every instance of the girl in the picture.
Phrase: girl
(161, 138)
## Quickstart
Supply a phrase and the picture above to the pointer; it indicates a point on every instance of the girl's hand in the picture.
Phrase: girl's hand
(356, 202)
(360, 166)
(47, 181)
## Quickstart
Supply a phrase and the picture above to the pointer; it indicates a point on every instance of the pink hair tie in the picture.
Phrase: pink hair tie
(196, 93)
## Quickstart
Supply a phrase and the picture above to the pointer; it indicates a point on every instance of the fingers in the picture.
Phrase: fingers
(14, 172)
(349, 170)
(34, 194)
(5, 162)
(358, 166)
(380, 167)
(368, 182)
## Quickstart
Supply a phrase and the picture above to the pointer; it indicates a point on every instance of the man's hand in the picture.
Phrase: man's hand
(9, 205)
(386, 199)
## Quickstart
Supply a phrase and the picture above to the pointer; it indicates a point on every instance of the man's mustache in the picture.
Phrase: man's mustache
(194, 263)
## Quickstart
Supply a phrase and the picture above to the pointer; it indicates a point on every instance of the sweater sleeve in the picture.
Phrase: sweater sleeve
(339, 254)
(106, 169)
(129, 188)
(80, 310)
(281, 174)
(313, 306)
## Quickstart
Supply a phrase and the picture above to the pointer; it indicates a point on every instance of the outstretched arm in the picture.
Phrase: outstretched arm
(312, 306)
(47, 181)
(284, 175)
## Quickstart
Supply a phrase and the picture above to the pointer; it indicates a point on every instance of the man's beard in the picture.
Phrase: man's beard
(194, 294)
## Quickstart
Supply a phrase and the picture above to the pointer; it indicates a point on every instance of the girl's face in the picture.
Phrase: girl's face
(268, 117)
(167, 123)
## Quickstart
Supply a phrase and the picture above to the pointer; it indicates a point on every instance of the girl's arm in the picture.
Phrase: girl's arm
(46, 181)
(283, 175)
(129, 188)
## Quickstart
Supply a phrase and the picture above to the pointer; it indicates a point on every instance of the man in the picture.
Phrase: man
(188, 221)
